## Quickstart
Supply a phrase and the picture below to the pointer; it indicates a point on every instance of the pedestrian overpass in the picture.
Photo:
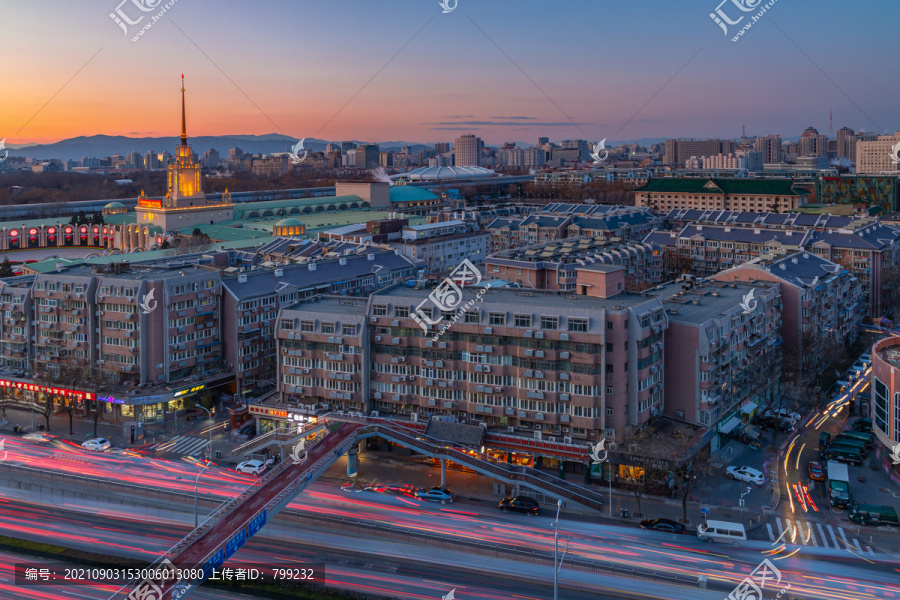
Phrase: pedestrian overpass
(225, 530)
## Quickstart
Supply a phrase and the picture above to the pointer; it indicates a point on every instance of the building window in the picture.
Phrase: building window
(287, 324)
(379, 310)
(401, 312)
(609, 392)
(609, 347)
(497, 319)
(609, 412)
(609, 325)
(523, 320)
(881, 406)
(306, 326)
(550, 323)
(348, 330)
(473, 316)
(578, 325)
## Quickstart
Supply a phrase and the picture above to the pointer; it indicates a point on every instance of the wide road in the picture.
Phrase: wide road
(813, 572)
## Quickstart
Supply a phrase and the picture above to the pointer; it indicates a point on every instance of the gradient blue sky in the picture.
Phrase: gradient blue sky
(283, 66)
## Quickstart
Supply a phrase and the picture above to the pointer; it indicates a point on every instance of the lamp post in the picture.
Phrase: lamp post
(557, 564)
(742, 503)
(196, 494)
(209, 414)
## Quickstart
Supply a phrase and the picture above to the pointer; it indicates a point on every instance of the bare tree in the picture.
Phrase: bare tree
(675, 263)
(689, 473)
(638, 451)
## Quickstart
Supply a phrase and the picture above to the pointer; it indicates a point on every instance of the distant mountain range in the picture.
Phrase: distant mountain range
(107, 145)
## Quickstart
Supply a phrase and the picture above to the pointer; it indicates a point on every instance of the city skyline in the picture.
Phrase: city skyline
(411, 82)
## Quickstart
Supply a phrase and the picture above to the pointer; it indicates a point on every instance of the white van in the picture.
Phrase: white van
(721, 531)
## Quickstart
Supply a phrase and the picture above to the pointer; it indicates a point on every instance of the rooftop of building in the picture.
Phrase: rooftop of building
(411, 193)
(438, 225)
(155, 272)
(768, 219)
(584, 209)
(330, 305)
(328, 271)
(800, 268)
(746, 235)
(570, 250)
(695, 303)
(890, 353)
(532, 301)
(729, 186)
(446, 173)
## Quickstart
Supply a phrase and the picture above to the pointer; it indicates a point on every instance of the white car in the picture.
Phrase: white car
(41, 438)
(97, 445)
(784, 413)
(748, 474)
(251, 467)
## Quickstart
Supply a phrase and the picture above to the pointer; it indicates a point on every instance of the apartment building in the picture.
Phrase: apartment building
(873, 157)
(722, 351)
(556, 223)
(118, 328)
(678, 151)
(736, 194)
(253, 298)
(871, 252)
(709, 249)
(573, 366)
(554, 266)
(444, 245)
(822, 304)
(679, 218)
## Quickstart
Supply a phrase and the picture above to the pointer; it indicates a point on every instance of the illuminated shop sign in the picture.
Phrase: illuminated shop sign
(133, 401)
(191, 390)
(271, 412)
(33, 387)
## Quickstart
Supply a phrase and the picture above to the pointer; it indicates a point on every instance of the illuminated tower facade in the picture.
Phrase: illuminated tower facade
(185, 205)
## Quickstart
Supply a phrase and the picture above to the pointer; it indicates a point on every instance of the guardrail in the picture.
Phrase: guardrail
(554, 486)
(282, 435)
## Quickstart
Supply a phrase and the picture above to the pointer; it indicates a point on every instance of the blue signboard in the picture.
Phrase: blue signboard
(704, 510)
(215, 561)
(258, 522)
(232, 545)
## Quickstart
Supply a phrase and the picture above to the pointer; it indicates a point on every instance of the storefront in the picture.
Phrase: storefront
(270, 419)
(21, 392)
(525, 459)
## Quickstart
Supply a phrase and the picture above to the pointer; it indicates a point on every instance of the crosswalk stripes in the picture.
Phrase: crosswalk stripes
(806, 535)
(185, 445)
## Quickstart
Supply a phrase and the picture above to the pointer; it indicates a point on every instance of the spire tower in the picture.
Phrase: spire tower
(183, 125)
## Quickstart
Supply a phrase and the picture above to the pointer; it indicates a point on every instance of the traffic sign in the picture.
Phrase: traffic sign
(704, 510)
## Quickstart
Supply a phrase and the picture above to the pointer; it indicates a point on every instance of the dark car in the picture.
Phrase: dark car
(529, 506)
(665, 525)
(824, 438)
(864, 425)
(775, 422)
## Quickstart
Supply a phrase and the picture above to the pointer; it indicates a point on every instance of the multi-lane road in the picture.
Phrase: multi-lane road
(365, 562)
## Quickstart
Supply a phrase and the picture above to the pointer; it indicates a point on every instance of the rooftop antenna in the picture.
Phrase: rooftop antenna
(830, 122)
(744, 130)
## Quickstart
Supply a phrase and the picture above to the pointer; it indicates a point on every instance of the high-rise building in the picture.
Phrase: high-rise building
(386, 159)
(876, 156)
(350, 157)
(332, 148)
(211, 158)
(542, 141)
(853, 140)
(813, 144)
(843, 137)
(345, 146)
(770, 146)
(535, 157)
(581, 145)
(367, 156)
(467, 151)
(678, 151)
(151, 160)
(235, 154)
(134, 160)
(441, 148)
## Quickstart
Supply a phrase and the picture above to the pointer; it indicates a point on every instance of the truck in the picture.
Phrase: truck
(839, 484)
(868, 514)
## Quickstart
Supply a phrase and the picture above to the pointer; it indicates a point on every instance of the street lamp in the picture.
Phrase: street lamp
(557, 564)
(742, 503)
(196, 495)
(209, 414)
